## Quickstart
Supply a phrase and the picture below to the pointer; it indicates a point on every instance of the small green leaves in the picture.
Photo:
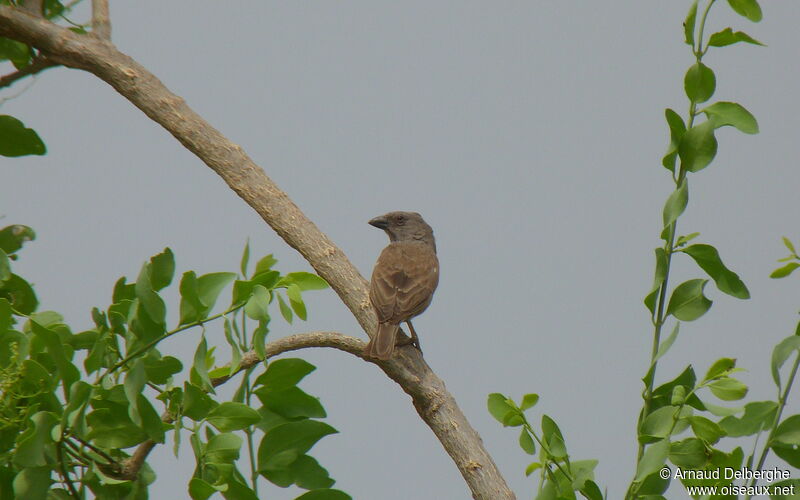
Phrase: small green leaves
(687, 302)
(720, 368)
(709, 261)
(747, 8)
(689, 24)
(688, 453)
(698, 147)
(781, 353)
(699, 83)
(758, 415)
(528, 401)
(499, 407)
(729, 37)
(653, 459)
(724, 113)
(13, 237)
(17, 52)
(658, 280)
(258, 304)
(784, 271)
(230, 416)
(786, 440)
(17, 140)
(676, 203)
(728, 389)
(676, 130)
(526, 442)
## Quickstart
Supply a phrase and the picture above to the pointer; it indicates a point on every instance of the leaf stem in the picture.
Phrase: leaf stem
(781, 405)
(153, 343)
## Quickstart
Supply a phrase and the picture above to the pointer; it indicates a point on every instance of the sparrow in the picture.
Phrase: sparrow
(403, 280)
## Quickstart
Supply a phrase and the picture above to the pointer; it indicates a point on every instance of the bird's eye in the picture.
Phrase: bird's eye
(400, 219)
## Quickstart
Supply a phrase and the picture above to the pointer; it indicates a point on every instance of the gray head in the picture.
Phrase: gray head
(405, 226)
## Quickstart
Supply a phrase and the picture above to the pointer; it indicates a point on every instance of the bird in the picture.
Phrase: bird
(403, 279)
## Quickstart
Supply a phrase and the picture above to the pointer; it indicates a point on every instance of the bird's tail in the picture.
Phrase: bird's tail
(381, 345)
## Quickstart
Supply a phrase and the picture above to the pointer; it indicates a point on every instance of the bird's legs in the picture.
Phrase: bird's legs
(414, 338)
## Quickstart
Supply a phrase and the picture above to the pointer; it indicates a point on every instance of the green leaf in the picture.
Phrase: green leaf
(304, 281)
(687, 302)
(265, 264)
(291, 403)
(698, 147)
(325, 494)
(664, 346)
(682, 240)
(209, 286)
(20, 294)
(296, 301)
(17, 140)
(135, 379)
(788, 432)
(528, 401)
(150, 419)
(728, 389)
(552, 435)
(730, 113)
(196, 403)
(245, 258)
(721, 367)
(162, 268)
(308, 473)
(655, 455)
(689, 453)
(658, 280)
(284, 373)
(747, 8)
(676, 203)
(784, 271)
(200, 490)
(758, 415)
(59, 354)
(243, 289)
(789, 245)
(676, 130)
(699, 83)
(532, 467)
(257, 306)
(17, 52)
(591, 491)
(498, 406)
(230, 416)
(159, 370)
(223, 448)
(781, 353)
(285, 311)
(35, 444)
(729, 37)
(526, 442)
(689, 23)
(32, 483)
(148, 298)
(236, 353)
(13, 237)
(709, 261)
(5, 266)
(199, 365)
(707, 430)
(658, 424)
(284, 443)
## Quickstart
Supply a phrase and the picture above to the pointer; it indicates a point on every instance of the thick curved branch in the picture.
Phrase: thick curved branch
(101, 21)
(433, 403)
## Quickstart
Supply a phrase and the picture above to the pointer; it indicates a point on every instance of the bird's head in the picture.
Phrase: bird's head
(404, 226)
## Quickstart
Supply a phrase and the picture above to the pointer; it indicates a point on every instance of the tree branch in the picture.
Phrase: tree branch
(430, 397)
(101, 21)
(37, 65)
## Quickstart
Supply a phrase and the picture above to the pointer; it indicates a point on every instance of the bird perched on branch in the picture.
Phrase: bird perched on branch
(403, 280)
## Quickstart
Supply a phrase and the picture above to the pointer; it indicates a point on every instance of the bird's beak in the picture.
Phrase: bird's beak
(379, 222)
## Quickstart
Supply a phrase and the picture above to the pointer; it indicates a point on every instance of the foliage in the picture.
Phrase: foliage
(675, 425)
(73, 405)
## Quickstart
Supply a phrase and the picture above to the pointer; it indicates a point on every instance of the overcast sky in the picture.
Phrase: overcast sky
(529, 135)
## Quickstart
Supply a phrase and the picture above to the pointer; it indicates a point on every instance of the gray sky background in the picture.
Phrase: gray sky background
(528, 133)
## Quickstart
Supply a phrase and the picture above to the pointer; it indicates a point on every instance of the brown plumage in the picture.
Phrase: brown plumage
(403, 280)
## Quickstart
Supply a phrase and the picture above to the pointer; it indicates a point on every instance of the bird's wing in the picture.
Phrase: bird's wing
(403, 281)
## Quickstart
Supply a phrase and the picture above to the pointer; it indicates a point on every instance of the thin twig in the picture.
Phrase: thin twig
(37, 65)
